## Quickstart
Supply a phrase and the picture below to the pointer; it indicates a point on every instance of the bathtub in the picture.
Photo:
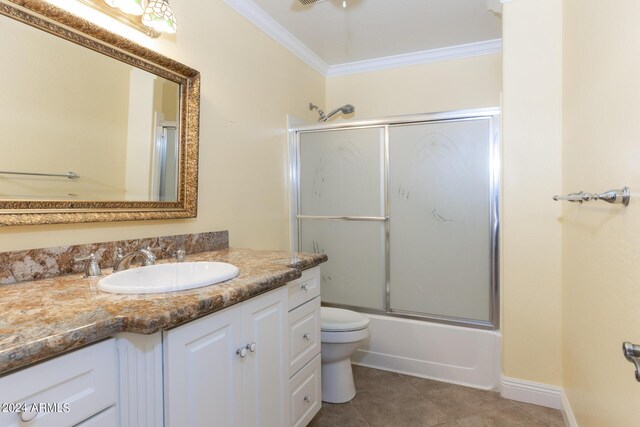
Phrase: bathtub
(454, 354)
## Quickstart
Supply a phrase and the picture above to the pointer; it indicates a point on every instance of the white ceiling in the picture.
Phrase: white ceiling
(371, 29)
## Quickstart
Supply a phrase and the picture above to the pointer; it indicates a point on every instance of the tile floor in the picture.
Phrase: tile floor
(394, 400)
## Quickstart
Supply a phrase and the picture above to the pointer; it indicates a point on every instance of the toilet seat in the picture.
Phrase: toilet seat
(343, 337)
(339, 320)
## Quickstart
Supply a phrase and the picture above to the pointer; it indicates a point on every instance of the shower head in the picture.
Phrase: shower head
(345, 109)
(348, 109)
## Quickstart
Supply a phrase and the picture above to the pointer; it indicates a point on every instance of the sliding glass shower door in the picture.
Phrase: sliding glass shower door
(439, 180)
(407, 212)
(342, 212)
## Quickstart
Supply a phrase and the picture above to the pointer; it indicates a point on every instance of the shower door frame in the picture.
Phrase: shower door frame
(493, 115)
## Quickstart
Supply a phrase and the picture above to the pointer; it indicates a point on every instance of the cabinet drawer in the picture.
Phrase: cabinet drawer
(74, 386)
(305, 288)
(306, 389)
(304, 334)
(106, 418)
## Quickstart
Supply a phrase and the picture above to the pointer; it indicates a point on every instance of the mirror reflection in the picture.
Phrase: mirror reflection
(78, 125)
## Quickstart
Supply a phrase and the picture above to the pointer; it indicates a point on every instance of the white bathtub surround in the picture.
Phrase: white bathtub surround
(453, 354)
(469, 357)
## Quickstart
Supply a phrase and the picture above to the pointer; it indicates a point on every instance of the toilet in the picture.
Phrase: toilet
(341, 335)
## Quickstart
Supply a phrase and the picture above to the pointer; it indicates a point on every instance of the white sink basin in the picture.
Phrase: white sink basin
(159, 278)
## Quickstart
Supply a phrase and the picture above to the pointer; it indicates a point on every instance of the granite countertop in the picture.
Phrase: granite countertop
(44, 318)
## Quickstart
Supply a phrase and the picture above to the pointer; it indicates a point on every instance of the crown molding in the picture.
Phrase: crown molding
(266, 23)
(258, 17)
(414, 58)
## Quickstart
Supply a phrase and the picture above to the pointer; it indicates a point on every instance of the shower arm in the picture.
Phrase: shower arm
(323, 117)
(345, 109)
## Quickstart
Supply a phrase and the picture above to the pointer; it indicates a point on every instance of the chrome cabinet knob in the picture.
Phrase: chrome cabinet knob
(307, 398)
(307, 336)
(26, 416)
(242, 352)
(252, 347)
(304, 286)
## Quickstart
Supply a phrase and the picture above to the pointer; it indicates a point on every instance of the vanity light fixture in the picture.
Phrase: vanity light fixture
(150, 16)
(130, 7)
(159, 16)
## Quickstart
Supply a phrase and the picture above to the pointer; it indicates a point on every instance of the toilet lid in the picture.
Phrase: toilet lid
(337, 319)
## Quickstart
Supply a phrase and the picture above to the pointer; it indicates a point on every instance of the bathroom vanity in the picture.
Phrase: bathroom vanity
(244, 352)
(260, 381)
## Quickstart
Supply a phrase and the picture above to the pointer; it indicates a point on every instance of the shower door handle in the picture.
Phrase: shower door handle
(632, 354)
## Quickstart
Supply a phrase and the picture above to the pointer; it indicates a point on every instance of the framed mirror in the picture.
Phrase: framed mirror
(94, 126)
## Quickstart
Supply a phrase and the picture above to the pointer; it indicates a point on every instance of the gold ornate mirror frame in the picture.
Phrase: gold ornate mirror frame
(61, 23)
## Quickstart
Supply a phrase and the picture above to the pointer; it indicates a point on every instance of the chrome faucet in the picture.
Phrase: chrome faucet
(180, 255)
(123, 261)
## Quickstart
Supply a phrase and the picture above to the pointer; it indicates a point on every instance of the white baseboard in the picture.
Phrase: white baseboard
(567, 412)
(531, 392)
(539, 394)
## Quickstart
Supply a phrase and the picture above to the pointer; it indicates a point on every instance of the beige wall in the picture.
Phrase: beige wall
(140, 134)
(249, 84)
(601, 243)
(35, 111)
(532, 168)
(472, 82)
(169, 98)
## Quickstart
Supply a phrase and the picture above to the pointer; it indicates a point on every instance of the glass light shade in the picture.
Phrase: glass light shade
(159, 16)
(130, 7)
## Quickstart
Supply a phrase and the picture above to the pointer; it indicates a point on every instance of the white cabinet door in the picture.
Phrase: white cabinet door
(266, 368)
(208, 384)
(203, 373)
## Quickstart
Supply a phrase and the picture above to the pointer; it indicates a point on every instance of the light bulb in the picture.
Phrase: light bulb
(130, 7)
(344, 4)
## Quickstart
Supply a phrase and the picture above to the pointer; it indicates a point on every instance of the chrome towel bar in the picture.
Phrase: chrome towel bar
(70, 175)
(621, 196)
